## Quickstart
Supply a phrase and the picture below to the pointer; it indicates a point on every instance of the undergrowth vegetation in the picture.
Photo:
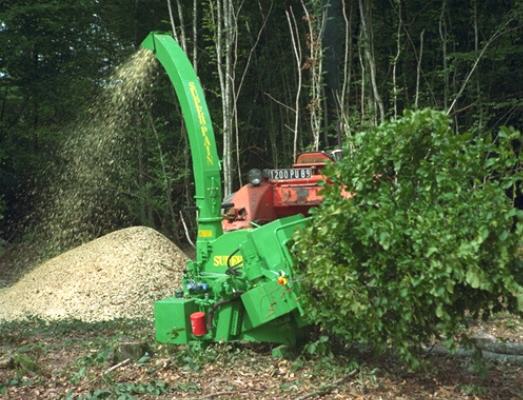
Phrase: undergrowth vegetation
(77, 360)
(429, 238)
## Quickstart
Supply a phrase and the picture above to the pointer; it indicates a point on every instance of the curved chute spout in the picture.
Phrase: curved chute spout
(206, 165)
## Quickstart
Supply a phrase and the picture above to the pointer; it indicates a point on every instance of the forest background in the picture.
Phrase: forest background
(279, 76)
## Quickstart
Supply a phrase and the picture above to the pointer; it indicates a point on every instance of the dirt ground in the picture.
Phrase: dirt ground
(74, 360)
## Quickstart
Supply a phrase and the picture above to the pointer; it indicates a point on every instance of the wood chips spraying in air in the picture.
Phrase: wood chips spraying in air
(119, 275)
(86, 191)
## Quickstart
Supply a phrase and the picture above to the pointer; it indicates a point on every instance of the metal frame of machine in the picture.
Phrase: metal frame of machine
(277, 193)
(241, 284)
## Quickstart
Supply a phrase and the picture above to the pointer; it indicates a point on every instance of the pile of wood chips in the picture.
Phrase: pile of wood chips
(119, 275)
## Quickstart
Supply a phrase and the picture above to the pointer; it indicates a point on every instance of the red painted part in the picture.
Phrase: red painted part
(271, 200)
(298, 192)
(198, 323)
(317, 158)
(251, 203)
(274, 199)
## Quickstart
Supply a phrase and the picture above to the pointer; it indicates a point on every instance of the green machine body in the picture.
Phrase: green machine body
(241, 284)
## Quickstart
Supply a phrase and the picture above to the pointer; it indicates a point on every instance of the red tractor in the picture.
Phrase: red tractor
(276, 193)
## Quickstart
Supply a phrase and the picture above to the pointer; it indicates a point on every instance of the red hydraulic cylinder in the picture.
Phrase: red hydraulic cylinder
(198, 323)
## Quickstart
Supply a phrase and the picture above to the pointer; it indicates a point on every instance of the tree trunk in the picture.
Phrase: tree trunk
(171, 19)
(344, 97)
(367, 48)
(418, 69)
(227, 97)
(362, 80)
(479, 105)
(223, 40)
(296, 47)
(395, 61)
(442, 27)
(183, 42)
(236, 91)
(315, 25)
(195, 36)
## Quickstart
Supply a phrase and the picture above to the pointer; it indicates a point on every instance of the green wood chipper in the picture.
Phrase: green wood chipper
(241, 285)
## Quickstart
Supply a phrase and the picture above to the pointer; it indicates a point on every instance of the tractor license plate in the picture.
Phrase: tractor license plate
(289, 173)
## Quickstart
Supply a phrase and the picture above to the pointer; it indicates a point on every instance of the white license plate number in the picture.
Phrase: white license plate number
(290, 173)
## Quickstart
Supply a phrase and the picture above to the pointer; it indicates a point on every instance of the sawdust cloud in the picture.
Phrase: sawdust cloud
(85, 194)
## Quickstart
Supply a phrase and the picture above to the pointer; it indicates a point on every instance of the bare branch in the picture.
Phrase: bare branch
(345, 89)
(279, 102)
(370, 59)
(293, 28)
(416, 56)
(327, 388)
(195, 36)
(418, 69)
(494, 36)
(395, 62)
(253, 48)
(171, 18)
(116, 366)
(183, 42)
(186, 230)
(442, 28)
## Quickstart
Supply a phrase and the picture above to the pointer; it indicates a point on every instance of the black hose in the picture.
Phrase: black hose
(212, 309)
(232, 269)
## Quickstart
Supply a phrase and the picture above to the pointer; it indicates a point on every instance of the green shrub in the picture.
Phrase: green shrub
(429, 238)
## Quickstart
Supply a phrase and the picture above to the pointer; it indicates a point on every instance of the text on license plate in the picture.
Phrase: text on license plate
(290, 173)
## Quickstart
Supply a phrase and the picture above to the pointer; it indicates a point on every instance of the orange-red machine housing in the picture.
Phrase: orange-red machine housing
(274, 198)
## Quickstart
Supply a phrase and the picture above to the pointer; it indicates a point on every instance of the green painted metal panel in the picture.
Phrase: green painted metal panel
(228, 322)
(171, 320)
(267, 302)
(282, 330)
(222, 248)
(270, 242)
(206, 165)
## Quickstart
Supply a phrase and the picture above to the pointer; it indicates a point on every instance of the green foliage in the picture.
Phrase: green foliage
(188, 387)
(98, 357)
(79, 375)
(127, 391)
(25, 363)
(472, 390)
(429, 236)
(18, 381)
(194, 357)
(319, 347)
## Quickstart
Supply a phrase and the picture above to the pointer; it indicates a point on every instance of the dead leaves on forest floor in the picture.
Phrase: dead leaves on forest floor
(73, 359)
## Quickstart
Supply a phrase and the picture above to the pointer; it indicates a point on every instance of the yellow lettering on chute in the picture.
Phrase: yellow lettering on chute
(204, 130)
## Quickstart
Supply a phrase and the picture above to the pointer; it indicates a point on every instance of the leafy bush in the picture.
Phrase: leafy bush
(429, 238)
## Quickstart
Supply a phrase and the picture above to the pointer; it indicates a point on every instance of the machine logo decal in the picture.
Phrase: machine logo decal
(204, 130)
(221, 261)
(205, 233)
